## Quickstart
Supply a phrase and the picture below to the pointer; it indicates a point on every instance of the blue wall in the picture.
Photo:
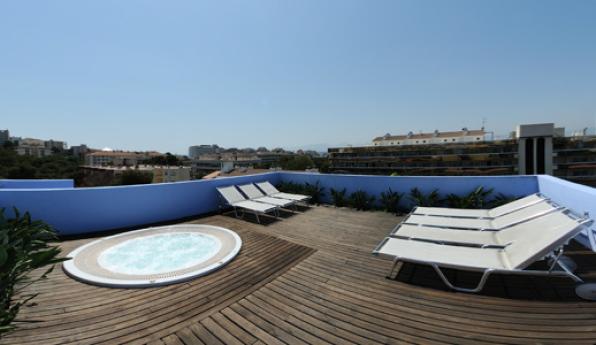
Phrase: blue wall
(23, 184)
(509, 185)
(571, 195)
(83, 210)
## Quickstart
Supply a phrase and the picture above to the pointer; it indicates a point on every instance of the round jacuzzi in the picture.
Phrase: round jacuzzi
(153, 256)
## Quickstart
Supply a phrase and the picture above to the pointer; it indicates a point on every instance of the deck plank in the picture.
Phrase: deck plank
(310, 279)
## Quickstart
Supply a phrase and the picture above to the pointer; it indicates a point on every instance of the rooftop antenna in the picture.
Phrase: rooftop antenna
(483, 123)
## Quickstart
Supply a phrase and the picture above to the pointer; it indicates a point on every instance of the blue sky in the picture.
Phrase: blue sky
(164, 75)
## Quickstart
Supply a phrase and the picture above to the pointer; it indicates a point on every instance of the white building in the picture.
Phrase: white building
(117, 158)
(33, 147)
(433, 138)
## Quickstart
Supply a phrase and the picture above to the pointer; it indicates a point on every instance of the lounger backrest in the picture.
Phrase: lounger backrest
(513, 233)
(267, 187)
(514, 205)
(533, 240)
(231, 194)
(523, 214)
(251, 191)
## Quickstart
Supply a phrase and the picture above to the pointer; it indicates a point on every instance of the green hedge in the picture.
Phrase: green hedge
(393, 202)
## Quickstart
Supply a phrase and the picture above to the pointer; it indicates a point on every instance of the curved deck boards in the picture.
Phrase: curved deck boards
(310, 279)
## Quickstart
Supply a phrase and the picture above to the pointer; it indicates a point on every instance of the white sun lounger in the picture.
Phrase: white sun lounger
(515, 217)
(500, 238)
(254, 194)
(270, 190)
(530, 244)
(489, 214)
(236, 200)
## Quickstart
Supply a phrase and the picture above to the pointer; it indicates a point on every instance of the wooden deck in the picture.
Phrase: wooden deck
(310, 278)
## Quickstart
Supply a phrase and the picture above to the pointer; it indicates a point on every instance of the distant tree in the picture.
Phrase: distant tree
(263, 165)
(298, 162)
(262, 149)
(23, 171)
(57, 166)
(167, 159)
(322, 163)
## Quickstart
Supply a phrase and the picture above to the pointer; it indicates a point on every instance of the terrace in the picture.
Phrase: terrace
(308, 278)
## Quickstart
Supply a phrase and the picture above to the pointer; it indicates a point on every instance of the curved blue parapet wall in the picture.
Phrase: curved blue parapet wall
(74, 211)
(39, 184)
(579, 198)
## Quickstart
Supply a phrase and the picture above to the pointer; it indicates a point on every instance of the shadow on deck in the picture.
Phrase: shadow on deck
(311, 278)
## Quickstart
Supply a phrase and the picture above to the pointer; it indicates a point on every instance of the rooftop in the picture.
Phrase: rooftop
(310, 278)
(235, 172)
(435, 134)
(124, 154)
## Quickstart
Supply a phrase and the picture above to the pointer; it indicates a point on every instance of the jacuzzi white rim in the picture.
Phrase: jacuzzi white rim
(74, 272)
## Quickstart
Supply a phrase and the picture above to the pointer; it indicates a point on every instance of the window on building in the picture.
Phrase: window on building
(424, 141)
(453, 139)
(477, 138)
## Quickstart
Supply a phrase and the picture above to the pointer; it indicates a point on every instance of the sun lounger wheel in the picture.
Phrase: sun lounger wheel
(586, 291)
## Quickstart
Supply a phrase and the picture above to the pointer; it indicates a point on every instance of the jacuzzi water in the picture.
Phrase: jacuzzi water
(161, 253)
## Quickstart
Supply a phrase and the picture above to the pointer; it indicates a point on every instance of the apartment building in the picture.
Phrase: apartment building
(33, 147)
(79, 150)
(574, 159)
(118, 158)
(105, 175)
(534, 149)
(436, 137)
(197, 150)
(228, 160)
(4, 136)
(162, 174)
